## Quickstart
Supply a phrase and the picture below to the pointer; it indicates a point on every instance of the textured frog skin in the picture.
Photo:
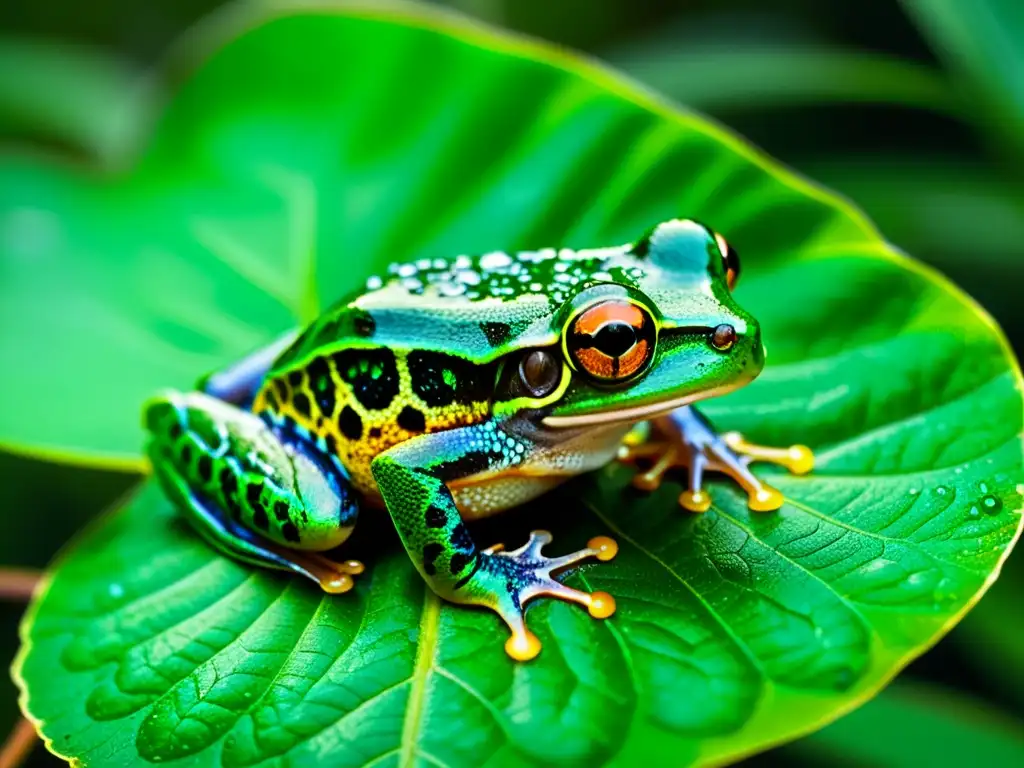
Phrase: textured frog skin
(360, 402)
(456, 388)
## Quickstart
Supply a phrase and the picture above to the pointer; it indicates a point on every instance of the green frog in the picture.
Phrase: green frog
(453, 389)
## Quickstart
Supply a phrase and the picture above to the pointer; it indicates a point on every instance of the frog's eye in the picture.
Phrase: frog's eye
(611, 341)
(540, 371)
(730, 260)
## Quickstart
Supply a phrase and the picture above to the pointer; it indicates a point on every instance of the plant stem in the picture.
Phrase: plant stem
(18, 584)
(19, 744)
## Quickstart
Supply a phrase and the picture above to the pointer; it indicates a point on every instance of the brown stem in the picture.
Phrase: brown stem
(17, 584)
(19, 744)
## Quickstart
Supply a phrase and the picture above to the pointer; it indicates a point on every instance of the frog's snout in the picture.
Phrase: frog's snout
(745, 346)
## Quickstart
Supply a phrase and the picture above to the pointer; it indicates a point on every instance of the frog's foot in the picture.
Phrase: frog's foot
(685, 439)
(505, 581)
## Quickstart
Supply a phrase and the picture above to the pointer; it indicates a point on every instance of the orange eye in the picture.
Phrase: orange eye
(611, 341)
(731, 261)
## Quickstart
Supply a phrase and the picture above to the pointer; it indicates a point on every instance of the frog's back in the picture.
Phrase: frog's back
(418, 351)
(356, 400)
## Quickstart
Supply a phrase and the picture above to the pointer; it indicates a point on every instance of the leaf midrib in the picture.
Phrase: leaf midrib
(426, 647)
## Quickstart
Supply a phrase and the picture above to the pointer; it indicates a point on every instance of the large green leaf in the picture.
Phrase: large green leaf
(306, 152)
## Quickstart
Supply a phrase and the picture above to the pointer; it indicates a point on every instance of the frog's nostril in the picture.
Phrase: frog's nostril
(723, 337)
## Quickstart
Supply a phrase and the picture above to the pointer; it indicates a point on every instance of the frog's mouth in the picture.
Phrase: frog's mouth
(636, 412)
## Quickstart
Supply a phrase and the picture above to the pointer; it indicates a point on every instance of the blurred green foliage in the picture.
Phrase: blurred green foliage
(914, 110)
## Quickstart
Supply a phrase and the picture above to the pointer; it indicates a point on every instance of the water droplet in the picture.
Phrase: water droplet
(495, 260)
(983, 487)
(844, 678)
(974, 512)
(991, 504)
(941, 490)
(115, 590)
(467, 276)
(959, 470)
(451, 289)
(914, 491)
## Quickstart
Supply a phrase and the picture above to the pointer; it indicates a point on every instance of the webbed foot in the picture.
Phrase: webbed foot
(684, 438)
(505, 581)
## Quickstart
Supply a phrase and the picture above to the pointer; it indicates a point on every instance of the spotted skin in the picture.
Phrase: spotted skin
(238, 462)
(417, 395)
(378, 398)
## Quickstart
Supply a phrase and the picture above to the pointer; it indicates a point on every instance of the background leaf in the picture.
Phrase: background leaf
(740, 75)
(982, 41)
(52, 91)
(911, 725)
(311, 150)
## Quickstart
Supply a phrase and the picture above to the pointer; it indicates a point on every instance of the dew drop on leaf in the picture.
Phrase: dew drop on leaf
(991, 504)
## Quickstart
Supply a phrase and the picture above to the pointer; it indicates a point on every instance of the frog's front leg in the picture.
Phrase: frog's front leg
(412, 478)
(685, 438)
(253, 493)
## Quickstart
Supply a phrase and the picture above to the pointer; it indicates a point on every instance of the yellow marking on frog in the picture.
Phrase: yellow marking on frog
(379, 428)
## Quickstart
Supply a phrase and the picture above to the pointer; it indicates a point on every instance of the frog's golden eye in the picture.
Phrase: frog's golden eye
(611, 341)
(731, 261)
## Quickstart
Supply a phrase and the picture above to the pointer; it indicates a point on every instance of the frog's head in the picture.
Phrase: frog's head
(662, 332)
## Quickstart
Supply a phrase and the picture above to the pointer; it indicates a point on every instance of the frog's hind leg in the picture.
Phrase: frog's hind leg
(234, 540)
(685, 438)
(249, 491)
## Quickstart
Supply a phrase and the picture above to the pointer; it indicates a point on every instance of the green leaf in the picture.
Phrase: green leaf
(942, 206)
(75, 96)
(739, 75)
(984, 42)
(960, 217)
(306, 152)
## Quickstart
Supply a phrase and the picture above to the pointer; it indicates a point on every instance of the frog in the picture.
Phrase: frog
(453, 389)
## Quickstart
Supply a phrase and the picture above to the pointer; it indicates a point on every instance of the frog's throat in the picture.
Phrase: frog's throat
(636, 413)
